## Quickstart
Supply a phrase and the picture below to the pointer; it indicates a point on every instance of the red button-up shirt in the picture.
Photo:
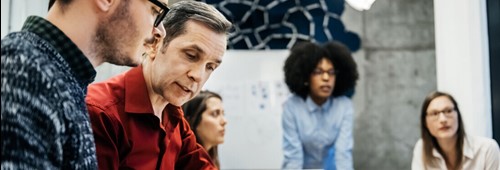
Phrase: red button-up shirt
(129, 135)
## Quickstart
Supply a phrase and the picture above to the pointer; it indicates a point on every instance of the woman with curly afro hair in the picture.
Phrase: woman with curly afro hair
(317, 119)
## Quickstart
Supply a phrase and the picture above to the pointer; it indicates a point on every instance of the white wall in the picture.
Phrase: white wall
(252, 87)
(21, 9)
(462, 60)
(5, 17)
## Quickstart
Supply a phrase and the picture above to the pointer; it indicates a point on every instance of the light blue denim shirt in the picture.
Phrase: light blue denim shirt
(317, 136)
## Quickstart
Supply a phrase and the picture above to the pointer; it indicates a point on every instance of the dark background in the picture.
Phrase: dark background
(494, 45)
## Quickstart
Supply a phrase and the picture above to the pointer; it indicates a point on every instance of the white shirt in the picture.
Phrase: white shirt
(479, 153)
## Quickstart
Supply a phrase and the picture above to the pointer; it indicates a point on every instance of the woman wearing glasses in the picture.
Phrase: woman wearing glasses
(317, 119)
(444, 144)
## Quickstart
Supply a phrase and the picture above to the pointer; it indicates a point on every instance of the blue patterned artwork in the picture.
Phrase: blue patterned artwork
(279, 24)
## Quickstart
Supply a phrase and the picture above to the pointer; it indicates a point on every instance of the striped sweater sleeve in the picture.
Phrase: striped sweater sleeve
(30, 124)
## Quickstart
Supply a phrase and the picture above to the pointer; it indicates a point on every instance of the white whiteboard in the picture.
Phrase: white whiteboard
(252, 87)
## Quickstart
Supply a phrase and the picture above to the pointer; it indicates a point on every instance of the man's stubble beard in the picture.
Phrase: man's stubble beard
(113, 37)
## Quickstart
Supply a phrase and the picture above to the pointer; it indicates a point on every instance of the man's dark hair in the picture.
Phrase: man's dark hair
(63, 3)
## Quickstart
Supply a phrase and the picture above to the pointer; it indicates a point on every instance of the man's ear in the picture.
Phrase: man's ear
(105, 5)
(153, 48)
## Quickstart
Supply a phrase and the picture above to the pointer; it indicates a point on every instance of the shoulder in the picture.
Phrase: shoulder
(482, 144)
(418, 149)
(293, 100)
(104, 109)
(28, 69)
(343, 103)
(342, 100)
(20, 45)
(417, 162)
(293, 105)
(25, 52)
(34, 87)
(418, 146)
(17, 41)
(103, 96)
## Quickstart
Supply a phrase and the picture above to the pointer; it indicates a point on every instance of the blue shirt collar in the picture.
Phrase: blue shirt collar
(313, 107)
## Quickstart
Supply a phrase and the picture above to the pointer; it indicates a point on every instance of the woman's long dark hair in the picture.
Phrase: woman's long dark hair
(430, 141)
(193, 112)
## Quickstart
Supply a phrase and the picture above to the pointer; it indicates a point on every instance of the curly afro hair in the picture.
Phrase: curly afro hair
(305, 56)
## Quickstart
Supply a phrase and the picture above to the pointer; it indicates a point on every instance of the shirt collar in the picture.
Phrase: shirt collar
(137, 96)
(136, 92)
(313, 107)
(435, 153)
(467, 150)
(79, 63)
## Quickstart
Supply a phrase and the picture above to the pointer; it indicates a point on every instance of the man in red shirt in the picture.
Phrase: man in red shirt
(136, 116)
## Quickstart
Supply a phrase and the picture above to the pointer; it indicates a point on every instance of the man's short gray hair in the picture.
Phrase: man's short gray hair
(183, 11)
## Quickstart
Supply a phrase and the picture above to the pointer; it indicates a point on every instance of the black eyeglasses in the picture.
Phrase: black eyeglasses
(434, 115)
(163, 12)
(319, 72)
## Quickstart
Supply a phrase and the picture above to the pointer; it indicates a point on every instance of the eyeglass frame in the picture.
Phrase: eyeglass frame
(318, 72)
(448, 113)
(163, 13)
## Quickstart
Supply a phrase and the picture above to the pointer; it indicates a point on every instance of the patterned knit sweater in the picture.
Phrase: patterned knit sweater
(44, 122)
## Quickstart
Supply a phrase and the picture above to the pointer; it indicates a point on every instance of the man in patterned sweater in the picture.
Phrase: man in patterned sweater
(46, 68)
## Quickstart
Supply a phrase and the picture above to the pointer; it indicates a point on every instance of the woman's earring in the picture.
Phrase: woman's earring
(306, 84)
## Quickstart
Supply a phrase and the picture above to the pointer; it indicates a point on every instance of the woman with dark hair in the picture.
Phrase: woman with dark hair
(205, 115)
(444, 144)
(317, 119)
